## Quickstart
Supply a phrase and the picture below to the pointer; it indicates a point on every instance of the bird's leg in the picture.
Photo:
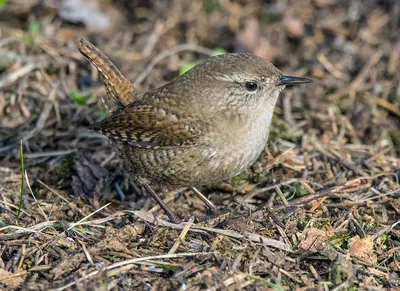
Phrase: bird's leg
(160, 202)
(206, 201)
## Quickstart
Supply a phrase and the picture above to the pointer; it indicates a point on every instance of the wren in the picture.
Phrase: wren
(207, 125)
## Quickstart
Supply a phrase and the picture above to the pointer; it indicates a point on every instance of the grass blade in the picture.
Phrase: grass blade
(21, 156)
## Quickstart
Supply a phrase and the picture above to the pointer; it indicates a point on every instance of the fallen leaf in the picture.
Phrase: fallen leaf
(315, 238)
(90, 178)
(362, 248)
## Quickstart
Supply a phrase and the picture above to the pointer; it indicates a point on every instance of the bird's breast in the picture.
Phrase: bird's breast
(239, 144)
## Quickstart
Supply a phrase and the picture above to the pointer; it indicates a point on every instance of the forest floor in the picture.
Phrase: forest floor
(319, 210)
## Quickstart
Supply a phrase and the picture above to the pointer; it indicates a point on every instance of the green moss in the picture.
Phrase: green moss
(384, 238)
(239, 179)
(65, 167)
(209, 6)
(340, 239)
(295, 190)
(322, 223)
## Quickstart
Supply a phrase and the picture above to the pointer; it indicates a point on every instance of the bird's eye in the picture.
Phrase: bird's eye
(251, 86)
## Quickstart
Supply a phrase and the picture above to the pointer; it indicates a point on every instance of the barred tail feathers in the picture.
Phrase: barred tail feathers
(120, 91)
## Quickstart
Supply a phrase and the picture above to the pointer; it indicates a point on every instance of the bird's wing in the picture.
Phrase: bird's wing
(147, 126)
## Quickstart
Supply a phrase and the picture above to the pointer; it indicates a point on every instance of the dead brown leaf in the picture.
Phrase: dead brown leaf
(362, 248)
(315, 238)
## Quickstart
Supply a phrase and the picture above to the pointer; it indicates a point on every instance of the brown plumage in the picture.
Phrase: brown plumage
(209, 124)
(120, 90)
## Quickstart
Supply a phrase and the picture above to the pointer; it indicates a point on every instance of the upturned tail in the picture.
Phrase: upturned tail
(120, 91)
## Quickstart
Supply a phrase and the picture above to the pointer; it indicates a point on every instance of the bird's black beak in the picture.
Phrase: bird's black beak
(289, 80)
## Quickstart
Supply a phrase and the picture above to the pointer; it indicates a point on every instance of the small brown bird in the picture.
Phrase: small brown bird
(207, 125)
